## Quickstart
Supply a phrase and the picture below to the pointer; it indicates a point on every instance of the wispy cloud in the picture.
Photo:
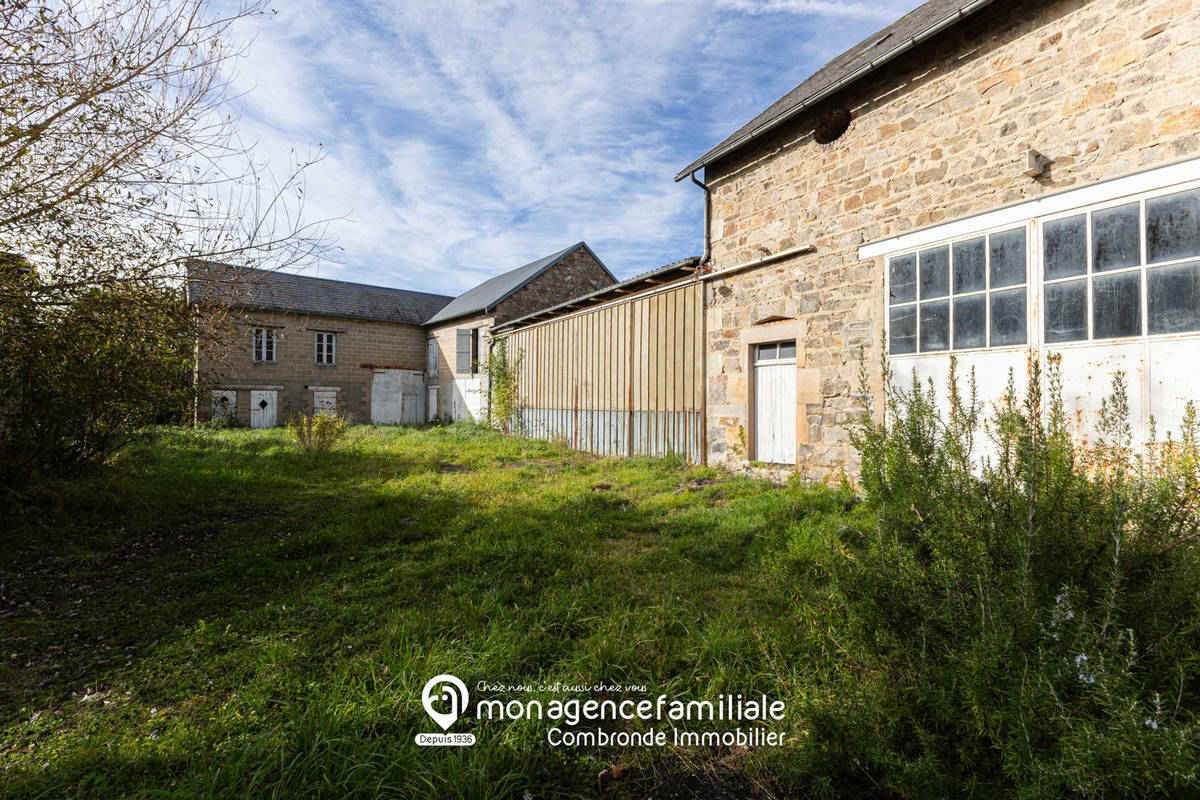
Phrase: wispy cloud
(465, 138)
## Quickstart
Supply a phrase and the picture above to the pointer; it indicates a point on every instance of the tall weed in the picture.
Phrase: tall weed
(1023, 625)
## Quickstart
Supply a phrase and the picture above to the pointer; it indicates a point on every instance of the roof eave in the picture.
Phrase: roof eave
(726, 148)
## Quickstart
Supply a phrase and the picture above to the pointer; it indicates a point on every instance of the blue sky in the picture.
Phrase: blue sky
(463, 139)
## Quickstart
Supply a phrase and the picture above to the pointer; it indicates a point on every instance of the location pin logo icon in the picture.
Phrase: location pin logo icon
(454, 692)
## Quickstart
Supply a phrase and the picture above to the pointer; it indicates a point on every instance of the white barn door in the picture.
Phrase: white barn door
(775, 403)
(397, 396)
(264, 409)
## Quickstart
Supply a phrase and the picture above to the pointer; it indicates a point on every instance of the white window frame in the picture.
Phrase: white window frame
(264, 343)
(986, 292)
(325, 348)
(1089, 275)
(1140, 188)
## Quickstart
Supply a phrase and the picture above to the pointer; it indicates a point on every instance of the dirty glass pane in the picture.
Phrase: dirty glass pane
(902, 278)
(902, 333)
(787, 349)
(968, 265)
(1174, 298)
(935, 272)
(970, 317)
(935, 326)
(1173, 226)
(766, 351)
(1066, 311)
(1064, 246)
(1008, 317)
(1117, 305)
(1117, 238)
(1007, 252)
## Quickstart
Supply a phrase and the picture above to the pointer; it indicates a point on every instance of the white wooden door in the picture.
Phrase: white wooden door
(775, 403)
(397, 397)
(431, 409)
(325, 403)
(263, 409)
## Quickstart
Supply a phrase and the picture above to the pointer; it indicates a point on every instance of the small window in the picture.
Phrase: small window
(969, 258)
(1117, 305)
(935, 273)
(903, 279)
(1066, 311)
(1173, 295)
(775, 351)
(1008, 318)
(935, 326)
(1173, 227)
(970, 315)
(1007, 253)
(902, 330)
(326, 346)
(1064, 244)
(1117, 238)
(264, 345)
(462, 351)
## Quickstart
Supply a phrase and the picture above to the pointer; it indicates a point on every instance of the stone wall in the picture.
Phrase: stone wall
(359, 342)
(1103, 88)
(579, 273)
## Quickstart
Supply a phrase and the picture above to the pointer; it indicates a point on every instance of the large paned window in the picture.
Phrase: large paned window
(1124, 270)
(959, 296)
(1106, 271)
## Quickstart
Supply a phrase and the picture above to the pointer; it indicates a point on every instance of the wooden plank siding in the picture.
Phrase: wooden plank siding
(622, 379)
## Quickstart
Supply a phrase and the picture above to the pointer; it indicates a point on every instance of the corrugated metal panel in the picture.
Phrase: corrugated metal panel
(619, 380)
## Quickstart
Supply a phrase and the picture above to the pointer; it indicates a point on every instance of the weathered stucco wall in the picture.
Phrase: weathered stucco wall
(457, 392)
(359, 342)
(1103, 88)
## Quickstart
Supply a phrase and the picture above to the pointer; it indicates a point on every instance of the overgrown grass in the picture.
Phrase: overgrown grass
(214, 614)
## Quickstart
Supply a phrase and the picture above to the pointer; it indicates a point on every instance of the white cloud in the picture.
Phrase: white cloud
(465, 138)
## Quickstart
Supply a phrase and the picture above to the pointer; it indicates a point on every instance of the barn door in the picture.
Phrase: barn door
(775, 403)
(397, 396)
(263, 409)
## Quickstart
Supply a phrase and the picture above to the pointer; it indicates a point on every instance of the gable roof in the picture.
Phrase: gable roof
(494, 290)
(864, 58)
(660, 276)
(283, 291)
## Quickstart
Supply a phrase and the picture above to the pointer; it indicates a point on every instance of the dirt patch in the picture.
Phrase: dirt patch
(452, 469)
(695, 485)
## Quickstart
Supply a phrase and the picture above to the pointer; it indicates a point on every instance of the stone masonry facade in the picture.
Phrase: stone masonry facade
(361, 344)
(1103, 88)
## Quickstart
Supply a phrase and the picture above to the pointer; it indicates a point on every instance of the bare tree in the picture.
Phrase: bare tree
(120, 163)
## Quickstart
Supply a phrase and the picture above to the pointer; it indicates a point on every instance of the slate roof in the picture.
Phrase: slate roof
(660, 276)
(860, 60)
(283, 291)
(489, 293)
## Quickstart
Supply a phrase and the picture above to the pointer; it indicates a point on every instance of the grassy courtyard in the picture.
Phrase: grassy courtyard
(216, 614)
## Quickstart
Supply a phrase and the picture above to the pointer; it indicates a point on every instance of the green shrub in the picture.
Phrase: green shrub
(1024, 627)
(318, 433)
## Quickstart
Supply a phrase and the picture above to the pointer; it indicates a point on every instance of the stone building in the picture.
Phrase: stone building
(301, 344)
(997, 181)
(298, 344)
(987, 179)
(459, 334)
